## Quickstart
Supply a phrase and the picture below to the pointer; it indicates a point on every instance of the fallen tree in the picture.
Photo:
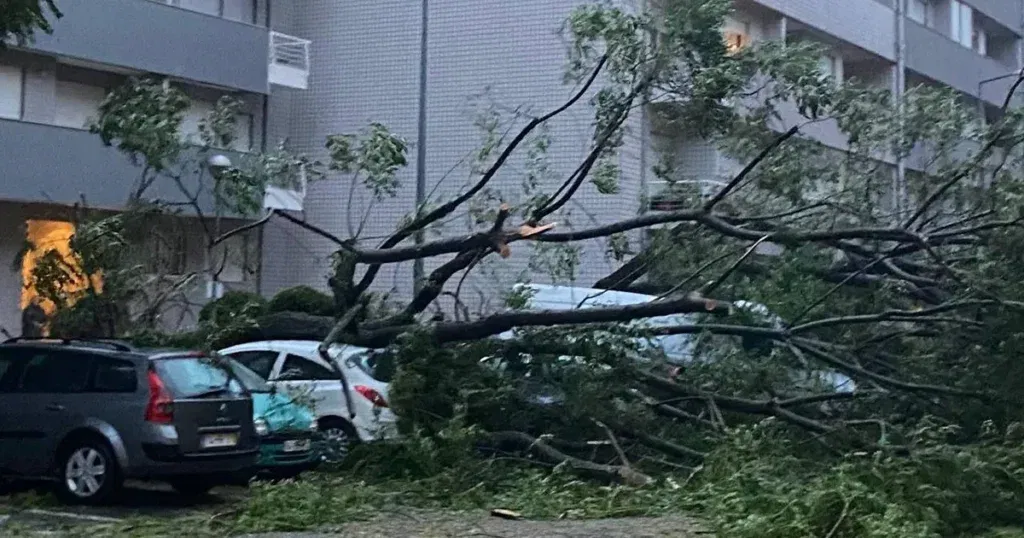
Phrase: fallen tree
(905, 288)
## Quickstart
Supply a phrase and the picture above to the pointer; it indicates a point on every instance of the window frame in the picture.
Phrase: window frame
(94, 112)
(31, 354)
(270, 372)
(21, 92)
(94, 374)
(331, 375)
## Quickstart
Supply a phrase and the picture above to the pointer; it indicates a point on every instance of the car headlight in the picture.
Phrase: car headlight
(261, 426)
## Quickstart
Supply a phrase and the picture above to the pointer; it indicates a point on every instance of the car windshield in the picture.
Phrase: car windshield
(251, 380)
(194, 377)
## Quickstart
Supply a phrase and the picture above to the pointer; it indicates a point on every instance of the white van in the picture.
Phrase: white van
(678, 348)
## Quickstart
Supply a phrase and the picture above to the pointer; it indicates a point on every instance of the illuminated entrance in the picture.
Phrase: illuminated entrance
(44, 236)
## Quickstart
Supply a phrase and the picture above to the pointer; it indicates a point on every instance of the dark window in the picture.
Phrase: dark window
(8, 370)
(261, 362)
(55, 372)
(300, 369)
(379, 365)
(114, 375)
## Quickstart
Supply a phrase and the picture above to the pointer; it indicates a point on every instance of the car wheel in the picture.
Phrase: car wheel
(191, 487)
(88, 473)
(337, 440)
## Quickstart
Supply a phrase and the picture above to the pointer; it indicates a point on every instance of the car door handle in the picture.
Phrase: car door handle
(54, 407)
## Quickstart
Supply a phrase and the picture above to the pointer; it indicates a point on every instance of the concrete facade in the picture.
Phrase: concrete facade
(52, 85)
(513, 50)
(482, 55)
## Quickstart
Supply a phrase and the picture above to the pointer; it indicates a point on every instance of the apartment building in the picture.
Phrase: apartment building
(368, 66)
(426, 68)
(50, 89)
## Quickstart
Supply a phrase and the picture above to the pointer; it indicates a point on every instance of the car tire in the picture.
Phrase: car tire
(192, 486)
(337, 438)
(87, 472)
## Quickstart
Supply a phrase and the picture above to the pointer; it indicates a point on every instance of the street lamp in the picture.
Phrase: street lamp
(218, 163)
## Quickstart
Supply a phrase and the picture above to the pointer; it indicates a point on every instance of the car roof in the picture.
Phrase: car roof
(97, 346)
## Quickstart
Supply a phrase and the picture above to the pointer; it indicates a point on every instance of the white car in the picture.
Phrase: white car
(348, 397)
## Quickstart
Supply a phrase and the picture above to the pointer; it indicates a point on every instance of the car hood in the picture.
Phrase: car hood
(281, 413)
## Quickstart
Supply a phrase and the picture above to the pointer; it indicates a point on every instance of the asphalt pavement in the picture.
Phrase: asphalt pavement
(138, 499)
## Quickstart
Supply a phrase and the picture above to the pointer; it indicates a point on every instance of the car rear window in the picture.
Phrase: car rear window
(191, 377)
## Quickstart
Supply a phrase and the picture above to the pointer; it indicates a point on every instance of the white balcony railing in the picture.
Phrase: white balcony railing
(289, 61)
(284, 198)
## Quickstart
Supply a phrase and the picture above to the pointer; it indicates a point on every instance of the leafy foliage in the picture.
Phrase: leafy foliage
(232, 304)
(21, 18)
(302, 299)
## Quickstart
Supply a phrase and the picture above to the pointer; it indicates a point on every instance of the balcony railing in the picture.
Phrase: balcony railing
(289, 61)
(284, 198)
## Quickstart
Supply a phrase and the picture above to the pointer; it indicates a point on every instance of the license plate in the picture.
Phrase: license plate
(218, 440)
(297, 445)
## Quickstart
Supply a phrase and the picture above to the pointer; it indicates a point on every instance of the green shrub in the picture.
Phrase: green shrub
(302, 299)
(232, 304)
(759, 485)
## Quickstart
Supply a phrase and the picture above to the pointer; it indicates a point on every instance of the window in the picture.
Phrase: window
(261, 362)
(210, 7)
(380, 365)
(736, 33)
(920, 11)
(832, 66)
(243, 132)
(77, 104)
(194, 116)
(8, 370)
(979, 41)
(11, 87)
(55, 372)
(239, 10)
(252, 381)
(961, 18)
(193, 377)
(234, 258)
(300, 369)
(168, 252)
(198, 114)
(114, 375)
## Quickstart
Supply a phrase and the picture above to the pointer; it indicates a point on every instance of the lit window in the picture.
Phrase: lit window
(736, 33)
(11, 85)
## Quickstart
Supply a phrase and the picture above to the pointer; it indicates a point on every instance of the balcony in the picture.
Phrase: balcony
(159, 38)
(58, 165)
(289, 61)
(283, 198)
(868, 25)
(935, 56)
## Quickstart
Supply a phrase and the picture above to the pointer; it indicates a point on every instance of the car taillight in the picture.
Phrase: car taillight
(161, 406)
(376, 398)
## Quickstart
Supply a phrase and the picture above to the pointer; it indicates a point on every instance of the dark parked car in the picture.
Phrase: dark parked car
(94, 413)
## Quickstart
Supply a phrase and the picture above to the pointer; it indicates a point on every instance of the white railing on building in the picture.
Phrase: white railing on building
(284, 198)
(289, 61)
